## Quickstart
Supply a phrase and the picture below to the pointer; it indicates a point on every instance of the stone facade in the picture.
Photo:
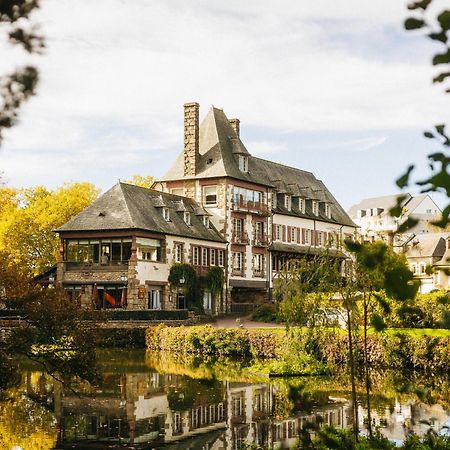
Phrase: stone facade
(235, 124)
(191, 138)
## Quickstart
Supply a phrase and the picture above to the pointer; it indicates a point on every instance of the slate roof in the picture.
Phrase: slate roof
(128, 207)
(428, 245)
(218, 146)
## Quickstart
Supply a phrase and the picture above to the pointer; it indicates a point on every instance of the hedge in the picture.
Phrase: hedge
(120, 338)
(400, 351)
(126, 314)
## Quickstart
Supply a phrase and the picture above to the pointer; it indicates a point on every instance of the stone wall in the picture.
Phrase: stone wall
(191, 138)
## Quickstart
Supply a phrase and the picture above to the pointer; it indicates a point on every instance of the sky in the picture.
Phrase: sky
(335, 88)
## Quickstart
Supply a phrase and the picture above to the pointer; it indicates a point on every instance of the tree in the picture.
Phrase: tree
(142, 181)
(29, 217)
(437, 29)
(20, 85)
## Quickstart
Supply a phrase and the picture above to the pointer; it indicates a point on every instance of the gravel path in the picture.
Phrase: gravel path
(242, 322)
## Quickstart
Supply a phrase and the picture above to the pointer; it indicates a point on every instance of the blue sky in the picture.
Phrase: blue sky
(336, 88)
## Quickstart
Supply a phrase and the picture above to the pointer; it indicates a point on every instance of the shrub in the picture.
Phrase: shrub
(265, 313)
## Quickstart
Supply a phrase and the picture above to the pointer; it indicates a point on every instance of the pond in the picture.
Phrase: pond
(149, 401)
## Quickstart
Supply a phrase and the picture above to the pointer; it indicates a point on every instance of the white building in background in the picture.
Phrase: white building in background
(375, 222)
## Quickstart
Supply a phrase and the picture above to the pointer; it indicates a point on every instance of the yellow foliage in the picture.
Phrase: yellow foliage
(29, 216)
(142, 181)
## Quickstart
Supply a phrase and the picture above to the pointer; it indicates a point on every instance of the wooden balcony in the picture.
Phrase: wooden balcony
(248, 206)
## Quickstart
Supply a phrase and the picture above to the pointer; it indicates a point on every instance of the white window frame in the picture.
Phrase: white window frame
(207, 300)
(212, 257)
(195, 256)
(204, 257)
(301, 205)
(206, 221)
(177, 191)
(315, 207)
(243, 163)
(293, 237)
(258, 262)
(307, 236)
(278, 232)
(187, 217)
(154, 299)
(178, 253)
(238, 261)
(220, 258)
(166, 214)
(287, 202)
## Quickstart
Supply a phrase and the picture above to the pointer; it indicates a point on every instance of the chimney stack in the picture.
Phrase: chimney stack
(191, 138)
(235, 124)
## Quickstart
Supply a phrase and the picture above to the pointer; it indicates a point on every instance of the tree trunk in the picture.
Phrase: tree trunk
(352, 376)
(367, 370)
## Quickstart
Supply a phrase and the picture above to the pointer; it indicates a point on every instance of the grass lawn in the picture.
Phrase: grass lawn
(435, 332)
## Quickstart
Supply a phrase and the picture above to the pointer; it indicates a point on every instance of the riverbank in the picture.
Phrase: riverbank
(303, 352)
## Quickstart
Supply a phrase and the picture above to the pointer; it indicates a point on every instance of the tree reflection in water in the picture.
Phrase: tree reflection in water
(136, 405)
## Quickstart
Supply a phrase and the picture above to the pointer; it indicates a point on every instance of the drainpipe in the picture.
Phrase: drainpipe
(226, 279)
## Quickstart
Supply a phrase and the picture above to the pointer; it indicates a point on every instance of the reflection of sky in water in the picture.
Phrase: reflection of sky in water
(136, 406)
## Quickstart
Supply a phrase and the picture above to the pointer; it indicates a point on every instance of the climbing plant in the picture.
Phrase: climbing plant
(184, 277)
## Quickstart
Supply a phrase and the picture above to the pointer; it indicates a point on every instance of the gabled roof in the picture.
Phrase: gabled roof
(385, 203)
(218, 147)
(128, 207)
(428, 245)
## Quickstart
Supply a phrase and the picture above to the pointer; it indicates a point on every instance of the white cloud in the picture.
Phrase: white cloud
(265, 147)
(116, 74)
(355, 145)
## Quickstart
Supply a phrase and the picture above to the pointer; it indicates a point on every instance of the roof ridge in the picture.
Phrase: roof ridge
(285, 165)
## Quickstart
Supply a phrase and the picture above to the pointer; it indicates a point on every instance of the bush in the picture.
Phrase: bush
(265, 313)
(126, 314)
(120, 337)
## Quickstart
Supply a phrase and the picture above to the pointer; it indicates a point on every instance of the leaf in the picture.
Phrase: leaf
(413, 24)
(441, 58)
(444, 20)
(441, 77)
(428, 135)
(441, 129)
(407, 225)
(442, 36)
(377, 322)
(404, 179)
(353, 246)
(423, 4)
(385, 306)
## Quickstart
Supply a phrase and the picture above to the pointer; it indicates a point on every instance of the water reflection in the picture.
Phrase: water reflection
(141, 408)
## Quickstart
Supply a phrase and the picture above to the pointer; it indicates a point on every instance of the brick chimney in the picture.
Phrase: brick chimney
(235, 124)
(191, 138)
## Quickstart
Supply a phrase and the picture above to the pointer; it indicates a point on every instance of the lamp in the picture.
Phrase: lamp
(182, 280)
(123, 278)
(51, 278)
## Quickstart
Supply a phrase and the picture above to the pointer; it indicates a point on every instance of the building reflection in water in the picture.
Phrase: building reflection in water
(151, 408)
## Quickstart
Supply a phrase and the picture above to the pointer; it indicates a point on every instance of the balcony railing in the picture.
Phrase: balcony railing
(111, 266)
(260, 240)
(246, 205)
(259, 273)
(239, 238)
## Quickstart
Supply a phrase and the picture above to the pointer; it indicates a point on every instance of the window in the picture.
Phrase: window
(315, 208)
(187, 217)
(259, 230)
(293, 229)
(243, 163)
(204, 256)
(238, 226)
(422, 269)
(220, 258)
(287, 202)
(243, 197)
(195, 256)
(413, 268)
(212, 257)
(206, 221)
(177, 191)
(278, 232)
(177, 423)
(328, 210)
(166, 214)
(428, 211)
(104, 251)
(301, 205)
(207, 301)
(149, 249)
(258, 264)
(154, 299)
(307, 236)
(238, 261)
(210, 195)
(274, 200)
(178, 253)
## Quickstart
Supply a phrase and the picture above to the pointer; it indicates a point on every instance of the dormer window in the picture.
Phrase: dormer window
(206, 221)
(301, 205)
(243, 163)
(315, 207)
(328, 210)
(187, 217)
(287, 202)
(166, 214)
